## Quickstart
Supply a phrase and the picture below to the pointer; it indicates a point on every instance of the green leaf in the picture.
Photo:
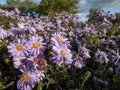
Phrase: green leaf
(40, 86)
(5, 86)
(86, 76)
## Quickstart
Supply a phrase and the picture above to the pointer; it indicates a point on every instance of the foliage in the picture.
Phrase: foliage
(28, 7)
(6, 7)
(7, 72)
(14, 3)
(5, 22)
(50, 7)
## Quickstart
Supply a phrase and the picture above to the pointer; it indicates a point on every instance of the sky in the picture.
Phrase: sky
(109, 5)
(2, 1)
(85, 5)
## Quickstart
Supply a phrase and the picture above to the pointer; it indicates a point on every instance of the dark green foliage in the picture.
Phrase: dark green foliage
(6, 7)
(5, 21)
(14, 3)
(94, 18)
(7, 72)
(60, 78)
(50, 7)
(28, 7)
(11, 4)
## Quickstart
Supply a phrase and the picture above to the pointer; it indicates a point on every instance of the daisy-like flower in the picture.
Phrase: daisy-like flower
(85, 52)
(116, 56)
(61, 55)
(34, 59)
(113, 16)
(38, 60)
(35, 45)
(18, 31)
(32, 30)
(101, 57)
(17, 49)
(78, 62)
(3, 33)
(17, 11)
(59, 39)
(18, 61)
(39, 73)
(27, 65)
(27, 81)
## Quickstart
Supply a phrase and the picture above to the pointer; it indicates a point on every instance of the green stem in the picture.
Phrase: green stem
(6, 86)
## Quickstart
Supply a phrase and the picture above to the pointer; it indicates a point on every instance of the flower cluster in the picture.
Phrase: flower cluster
(61, 53)
(63, 40)
(28, 57)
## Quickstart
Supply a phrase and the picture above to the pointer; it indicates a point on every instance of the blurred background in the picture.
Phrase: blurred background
(44, 7)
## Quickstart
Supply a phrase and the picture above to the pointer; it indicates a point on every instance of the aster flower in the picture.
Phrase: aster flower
(27, 81)
(17, 49)
(111, 44)
(18, 61)
(35, 45)
(101, 57)
(96, 79)
(59, 39)
(18, 31)
(39, 73)
(102, 12)
(27, 65)
(2, 11)
(115, 56)
(118, 66)
(17, 11)
(113, 16)
(9, 14)
(39, 26)
(61, 55)
(3, 33)
(34, 59)
(85, 52)
(11, 24)
(38, 60)
(78, 62)
(78, 45)
(21, 25)
(32, 30)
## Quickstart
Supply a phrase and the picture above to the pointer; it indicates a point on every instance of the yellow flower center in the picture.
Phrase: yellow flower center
(35, 45)
(25, 77)
(19, 47)
(63, 52)
(59, 40)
